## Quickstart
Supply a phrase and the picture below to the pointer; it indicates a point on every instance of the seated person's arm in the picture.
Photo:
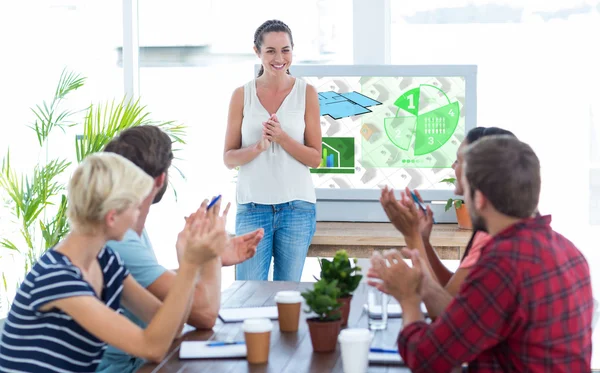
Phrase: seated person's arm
(206, 297)
(485, 309)
(437, 301)
(442, 273)
(115, 329)
(138, 301)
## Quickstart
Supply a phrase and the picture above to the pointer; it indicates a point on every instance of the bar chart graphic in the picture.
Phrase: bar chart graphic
(337, 157)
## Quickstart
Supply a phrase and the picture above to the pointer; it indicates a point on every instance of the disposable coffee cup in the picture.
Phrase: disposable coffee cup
(288, 309)
(257, 333)
(355, 345)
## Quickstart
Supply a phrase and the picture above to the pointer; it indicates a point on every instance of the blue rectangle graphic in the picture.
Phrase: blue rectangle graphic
(360, 99)
(343, 109)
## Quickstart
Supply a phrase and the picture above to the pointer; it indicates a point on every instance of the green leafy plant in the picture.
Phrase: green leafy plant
(106, 120)
(451, 201)
(341, 268)
(323, 300)
(37, 199)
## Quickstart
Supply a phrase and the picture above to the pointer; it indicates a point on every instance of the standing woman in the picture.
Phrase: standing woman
(274, 136)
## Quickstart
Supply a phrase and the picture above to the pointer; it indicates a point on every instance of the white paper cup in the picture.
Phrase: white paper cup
(257, 333)
(257, 325)
(355, 344)
(288, 309)
(288, 297)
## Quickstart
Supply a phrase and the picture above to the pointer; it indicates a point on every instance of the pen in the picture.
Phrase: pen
(383, 350)
(218, 344)
(212, 203)
(416, 199)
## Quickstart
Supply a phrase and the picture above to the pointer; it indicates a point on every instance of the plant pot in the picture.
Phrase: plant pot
(463, 218)
(345, 308)
(323, 334)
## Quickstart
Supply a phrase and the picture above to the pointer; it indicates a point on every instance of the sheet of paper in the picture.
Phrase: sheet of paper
(240, 314)
(200, 350)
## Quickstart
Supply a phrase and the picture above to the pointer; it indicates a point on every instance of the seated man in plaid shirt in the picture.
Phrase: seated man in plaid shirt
(527, 304)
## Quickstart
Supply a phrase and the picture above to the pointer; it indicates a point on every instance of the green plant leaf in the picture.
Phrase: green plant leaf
(4, 283)
(67, 83)
(458, 203)
(450, 180)
(106, 120)
(48, 115)
(448, 204)
(7, 244)
(343, 270)
(323, 300)
(57, 228)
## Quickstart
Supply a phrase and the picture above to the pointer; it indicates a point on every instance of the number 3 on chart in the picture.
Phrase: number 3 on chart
(430, 140)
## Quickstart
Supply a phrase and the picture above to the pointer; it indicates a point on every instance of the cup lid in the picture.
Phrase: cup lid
(288, 296)
(257, 325)
(355, 335)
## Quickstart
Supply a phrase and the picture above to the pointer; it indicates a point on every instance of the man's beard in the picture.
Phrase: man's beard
(477, 221)
(161, 192)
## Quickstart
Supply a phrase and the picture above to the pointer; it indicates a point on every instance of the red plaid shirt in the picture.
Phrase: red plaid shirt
(526, 306)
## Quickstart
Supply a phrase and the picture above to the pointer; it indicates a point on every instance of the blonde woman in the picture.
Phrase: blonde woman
(68, 307)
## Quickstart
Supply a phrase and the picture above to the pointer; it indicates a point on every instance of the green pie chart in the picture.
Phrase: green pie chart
(426, 119)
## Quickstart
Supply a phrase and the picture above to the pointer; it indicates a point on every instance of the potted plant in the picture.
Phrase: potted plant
(36, 199)
(462, 214)
(347, 276)
(325, 326)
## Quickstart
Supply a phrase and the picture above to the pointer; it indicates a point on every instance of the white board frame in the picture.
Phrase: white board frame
(363, 204)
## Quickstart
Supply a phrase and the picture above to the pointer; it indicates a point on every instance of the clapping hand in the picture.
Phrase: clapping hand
(402, 213)
(203, 238)
(391, 275)
(425, 218)
(272, 129)
(241, 248)
(237, 249)
(263, 143)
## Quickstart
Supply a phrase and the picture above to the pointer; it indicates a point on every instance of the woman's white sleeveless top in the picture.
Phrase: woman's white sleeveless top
(274, 176)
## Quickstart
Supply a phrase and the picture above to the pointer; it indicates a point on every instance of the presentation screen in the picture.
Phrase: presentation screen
(389, 125)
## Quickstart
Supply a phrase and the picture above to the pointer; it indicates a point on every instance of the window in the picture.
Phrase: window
(537, 76)
(39, 40)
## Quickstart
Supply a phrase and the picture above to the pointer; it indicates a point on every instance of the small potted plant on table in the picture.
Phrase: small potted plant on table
(325, 327)
(462, 214)
(347, 275)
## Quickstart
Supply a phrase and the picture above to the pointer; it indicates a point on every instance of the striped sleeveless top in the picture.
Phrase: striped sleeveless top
(51, 341)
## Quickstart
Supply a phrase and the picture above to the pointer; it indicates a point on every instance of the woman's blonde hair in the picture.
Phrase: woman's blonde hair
(101, 183)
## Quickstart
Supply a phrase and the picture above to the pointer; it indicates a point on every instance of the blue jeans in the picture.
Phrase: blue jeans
(289, 228)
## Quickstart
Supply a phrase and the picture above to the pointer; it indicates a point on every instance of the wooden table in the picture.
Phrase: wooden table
(290, 352)
(360, 239)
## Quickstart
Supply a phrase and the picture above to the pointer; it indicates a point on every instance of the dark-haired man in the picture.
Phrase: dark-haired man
(527, 304)
(150, 149)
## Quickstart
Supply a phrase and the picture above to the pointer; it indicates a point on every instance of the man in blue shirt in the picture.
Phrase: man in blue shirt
(150, 149)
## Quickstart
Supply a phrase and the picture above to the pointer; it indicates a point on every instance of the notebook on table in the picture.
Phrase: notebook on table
(202, 350)
(229, 315)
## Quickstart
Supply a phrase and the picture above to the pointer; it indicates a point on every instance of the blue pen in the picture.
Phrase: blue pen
(416, 199)
(384, 351)
(218, 344)
(212, 203)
